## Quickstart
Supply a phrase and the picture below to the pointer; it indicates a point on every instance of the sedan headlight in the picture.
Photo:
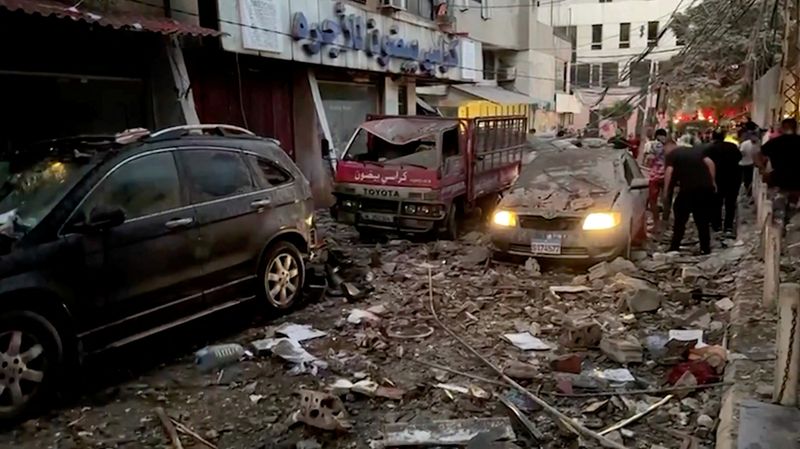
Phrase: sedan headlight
(601, 220)
(505, 218)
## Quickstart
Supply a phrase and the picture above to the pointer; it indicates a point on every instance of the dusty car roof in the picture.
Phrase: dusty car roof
(567, 179)
(401, 131)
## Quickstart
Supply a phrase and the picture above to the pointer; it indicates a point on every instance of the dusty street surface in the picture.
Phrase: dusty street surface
(590, 334)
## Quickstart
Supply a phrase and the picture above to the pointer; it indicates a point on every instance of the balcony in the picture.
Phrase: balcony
(506, 74)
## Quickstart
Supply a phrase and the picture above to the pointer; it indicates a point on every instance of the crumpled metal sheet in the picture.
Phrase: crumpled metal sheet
(117, 20)
(401, 131)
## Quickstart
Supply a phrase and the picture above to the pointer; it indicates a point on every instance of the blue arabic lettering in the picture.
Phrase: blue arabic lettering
(366, 37)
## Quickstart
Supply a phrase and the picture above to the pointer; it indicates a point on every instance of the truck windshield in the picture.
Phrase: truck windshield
(30, 193)
(366, 147)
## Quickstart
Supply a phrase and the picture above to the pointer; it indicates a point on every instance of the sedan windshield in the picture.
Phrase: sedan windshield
(30, 193)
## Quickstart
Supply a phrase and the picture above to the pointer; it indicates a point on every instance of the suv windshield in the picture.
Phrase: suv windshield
(367, 147)
(28, 193)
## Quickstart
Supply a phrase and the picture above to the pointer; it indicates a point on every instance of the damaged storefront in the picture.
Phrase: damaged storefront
(69, 71)
(345, 62)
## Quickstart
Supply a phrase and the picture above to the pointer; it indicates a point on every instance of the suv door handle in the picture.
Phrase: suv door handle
(179, 223)
(257, 204)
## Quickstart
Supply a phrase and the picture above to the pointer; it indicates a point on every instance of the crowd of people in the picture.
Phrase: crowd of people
(702, 176)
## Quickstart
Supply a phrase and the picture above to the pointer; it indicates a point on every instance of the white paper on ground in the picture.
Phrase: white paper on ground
(619, 375)
(688, 335)
(299, 332)
(527, 342)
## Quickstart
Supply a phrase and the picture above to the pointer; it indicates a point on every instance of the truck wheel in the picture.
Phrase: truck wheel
(451, 223)
(282, 275)
(31, 357)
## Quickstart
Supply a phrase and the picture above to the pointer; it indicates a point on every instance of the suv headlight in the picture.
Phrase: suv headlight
(601, 220)
(505, 218)
(349, 204)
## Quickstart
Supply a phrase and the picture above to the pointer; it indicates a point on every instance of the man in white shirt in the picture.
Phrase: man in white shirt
(749, 147)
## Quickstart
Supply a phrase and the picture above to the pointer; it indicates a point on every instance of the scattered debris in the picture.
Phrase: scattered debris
(695, 335)
(446, 433)
(321, 410)
(724, 304)
(409, 331)
(169, 427)
(358, 316)
(527, 342)
(532, 267)
(556, 289)
(622, 350)
(299, 332)
(521, 370)
(214, 357)
(569, 363)
(690, 274)
(618, 375)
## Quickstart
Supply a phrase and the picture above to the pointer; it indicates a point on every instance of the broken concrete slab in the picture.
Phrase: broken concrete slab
(639, 295)
(622, 350)
(768, 426)
(690, 274)
(521, 370)
(445, 432)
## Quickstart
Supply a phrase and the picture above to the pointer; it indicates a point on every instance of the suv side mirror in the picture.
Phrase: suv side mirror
(102, 218)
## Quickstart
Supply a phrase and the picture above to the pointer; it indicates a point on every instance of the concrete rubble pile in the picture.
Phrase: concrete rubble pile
(630, 350)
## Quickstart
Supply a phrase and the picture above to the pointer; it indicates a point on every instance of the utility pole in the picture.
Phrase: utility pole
(790, 75)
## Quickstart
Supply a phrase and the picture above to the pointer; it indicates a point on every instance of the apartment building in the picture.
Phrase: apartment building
(524, 65)
(607, 37)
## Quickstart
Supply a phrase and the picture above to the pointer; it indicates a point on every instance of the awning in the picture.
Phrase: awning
(496, 94)
(116, 20)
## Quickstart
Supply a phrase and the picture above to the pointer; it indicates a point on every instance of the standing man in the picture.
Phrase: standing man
(783, 153)
(654, 161)
(726, 157)
(750, 146)
(692, 172)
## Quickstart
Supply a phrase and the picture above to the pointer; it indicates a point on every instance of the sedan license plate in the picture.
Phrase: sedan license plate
(547, 244)
(377, 218)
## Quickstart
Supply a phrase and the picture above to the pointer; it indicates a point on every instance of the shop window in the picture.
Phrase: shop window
(596, 72)
(597, 37)
(346, 106)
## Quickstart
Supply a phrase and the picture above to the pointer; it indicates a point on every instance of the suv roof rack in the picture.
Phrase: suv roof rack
(183, 130)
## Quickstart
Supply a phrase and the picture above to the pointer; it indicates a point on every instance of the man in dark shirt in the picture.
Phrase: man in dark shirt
(783, 153)
(692, 172)
(726, 157)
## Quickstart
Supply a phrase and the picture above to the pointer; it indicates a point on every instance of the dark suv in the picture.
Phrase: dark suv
(103, 243)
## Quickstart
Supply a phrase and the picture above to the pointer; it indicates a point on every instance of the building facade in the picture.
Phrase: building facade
(524, 65)
(607, 39)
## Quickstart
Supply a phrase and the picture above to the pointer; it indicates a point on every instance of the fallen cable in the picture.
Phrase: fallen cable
(573, 425)
(460, 373)
(637, 416)
(650, 391)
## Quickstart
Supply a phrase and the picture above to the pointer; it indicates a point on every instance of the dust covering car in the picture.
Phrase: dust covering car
(573, 203)
(106, 240)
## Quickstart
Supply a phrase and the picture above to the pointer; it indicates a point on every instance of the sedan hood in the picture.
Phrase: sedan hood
(558, 201)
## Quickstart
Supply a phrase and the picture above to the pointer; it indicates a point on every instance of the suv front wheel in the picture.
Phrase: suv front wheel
(282, 276)
(31, 354)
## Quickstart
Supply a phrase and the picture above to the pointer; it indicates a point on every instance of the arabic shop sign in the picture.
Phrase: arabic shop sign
(357, 35)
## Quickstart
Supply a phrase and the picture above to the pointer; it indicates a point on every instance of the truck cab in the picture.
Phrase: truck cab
(417, 174)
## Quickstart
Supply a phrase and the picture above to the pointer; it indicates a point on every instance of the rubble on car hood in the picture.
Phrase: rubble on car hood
(570, 180)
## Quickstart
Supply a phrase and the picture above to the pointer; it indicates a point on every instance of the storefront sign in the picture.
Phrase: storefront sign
(350, 33)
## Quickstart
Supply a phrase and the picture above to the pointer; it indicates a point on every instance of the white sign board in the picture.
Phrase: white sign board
(261, 21)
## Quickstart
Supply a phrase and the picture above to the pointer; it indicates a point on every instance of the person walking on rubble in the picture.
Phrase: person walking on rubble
(693, 173)
(726, 157)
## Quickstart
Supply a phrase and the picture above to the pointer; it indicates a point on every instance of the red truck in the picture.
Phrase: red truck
(414, 174)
